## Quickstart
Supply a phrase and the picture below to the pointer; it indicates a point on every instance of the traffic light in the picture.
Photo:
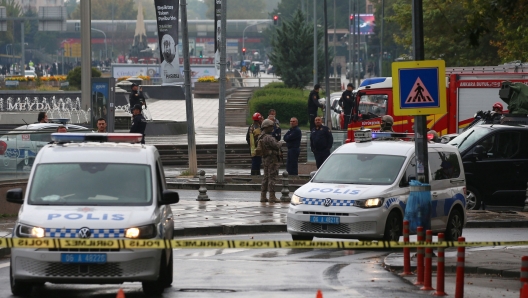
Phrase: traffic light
(201, 54)
(275, 20)
(351, 17)
(243, 51)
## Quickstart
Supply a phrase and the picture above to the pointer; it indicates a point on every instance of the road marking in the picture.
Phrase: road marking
(4, 265)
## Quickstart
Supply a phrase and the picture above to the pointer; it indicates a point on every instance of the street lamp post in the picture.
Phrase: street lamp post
(12, 53)
(106, 50)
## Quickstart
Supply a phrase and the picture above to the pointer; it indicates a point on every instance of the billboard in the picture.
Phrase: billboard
(167, 21)
(366, 24)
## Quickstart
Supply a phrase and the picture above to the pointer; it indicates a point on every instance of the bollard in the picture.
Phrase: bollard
(428, 267)
(285, 198)
(420, 258)
(440, 268)
(406, 251)
(524, 271)
(461, 252)
(526, 200)
(203, 188)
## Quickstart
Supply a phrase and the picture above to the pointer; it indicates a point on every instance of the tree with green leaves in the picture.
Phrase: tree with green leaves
(13, 9)
(240, 9)
(292, 54)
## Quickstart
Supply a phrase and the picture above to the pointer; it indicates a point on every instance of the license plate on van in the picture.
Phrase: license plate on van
(83, 258)
(328, 220)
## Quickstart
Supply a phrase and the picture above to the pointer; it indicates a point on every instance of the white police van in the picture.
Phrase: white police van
(361, 191)
(94, 186)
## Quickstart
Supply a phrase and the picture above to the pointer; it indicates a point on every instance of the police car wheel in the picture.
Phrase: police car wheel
(156, 287)
(393, 227)
(170, 271)
(473, 199)
(454, 227)
(302, 238)
(19, 288)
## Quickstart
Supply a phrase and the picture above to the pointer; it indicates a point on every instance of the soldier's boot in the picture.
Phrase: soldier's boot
(273, 198)
(263, 198)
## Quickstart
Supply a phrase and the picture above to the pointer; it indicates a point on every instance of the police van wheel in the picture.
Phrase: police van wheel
(454, 227)
(156, 287)
(19, 288)
(393, 227)
(170, 271)
(473, 199)
(302, 238)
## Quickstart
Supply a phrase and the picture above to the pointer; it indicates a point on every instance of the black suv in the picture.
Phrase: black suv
(495, 158)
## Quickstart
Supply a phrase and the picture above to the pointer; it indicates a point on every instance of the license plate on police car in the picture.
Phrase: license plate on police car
(329, 220)
(83, 258)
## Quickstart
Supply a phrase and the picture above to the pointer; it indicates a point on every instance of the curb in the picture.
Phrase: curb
(496, 224)
(230, 187)
(467, 270)
(229, 230)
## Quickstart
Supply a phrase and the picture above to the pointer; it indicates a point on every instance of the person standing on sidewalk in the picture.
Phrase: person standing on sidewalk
(139, 123)
(272, 115)
(136, 97)
(313, 105)
(293, 140)
(270, 155)
(321, 141)
(252, 136)
(346, 102)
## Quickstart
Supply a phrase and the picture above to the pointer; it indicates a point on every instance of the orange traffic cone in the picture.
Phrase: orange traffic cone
(120, 294)
(320, 294)
(524, 291)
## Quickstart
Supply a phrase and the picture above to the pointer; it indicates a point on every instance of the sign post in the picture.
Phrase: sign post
(419, 89)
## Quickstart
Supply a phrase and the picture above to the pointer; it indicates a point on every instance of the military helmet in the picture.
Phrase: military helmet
(267, 123)
(387, 119)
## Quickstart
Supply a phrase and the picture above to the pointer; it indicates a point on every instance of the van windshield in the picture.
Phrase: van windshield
(91, 184)
(469, 137)
(369, 169)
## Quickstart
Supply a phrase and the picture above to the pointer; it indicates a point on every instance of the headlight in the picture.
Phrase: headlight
(144, 232)
(296, 200)
(24, 231)
(369, 203)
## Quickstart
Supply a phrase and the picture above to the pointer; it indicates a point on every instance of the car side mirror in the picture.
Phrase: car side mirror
(15, 195)
(479, 152)
(170, 197)
(312, 174)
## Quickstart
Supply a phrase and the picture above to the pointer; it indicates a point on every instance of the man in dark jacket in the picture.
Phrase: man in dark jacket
(139, 123)
(321, 141)
(313, 105)
(136, 97)
(293, 140)
(346, 102)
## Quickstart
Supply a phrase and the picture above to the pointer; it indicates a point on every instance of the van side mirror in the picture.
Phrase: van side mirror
(479, 152)
(170, 197)
(15, 195)
(312, 174)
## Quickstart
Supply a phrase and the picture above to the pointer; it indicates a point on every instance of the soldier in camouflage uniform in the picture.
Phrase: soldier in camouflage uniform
(270, 156)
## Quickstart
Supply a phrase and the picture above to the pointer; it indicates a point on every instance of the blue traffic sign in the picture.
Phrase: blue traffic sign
(419, 87)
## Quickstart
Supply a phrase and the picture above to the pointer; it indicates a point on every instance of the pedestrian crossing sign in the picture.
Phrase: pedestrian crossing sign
(419, 87)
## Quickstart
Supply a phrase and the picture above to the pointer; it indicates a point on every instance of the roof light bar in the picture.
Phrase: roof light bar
(399, 135)
(96, 137)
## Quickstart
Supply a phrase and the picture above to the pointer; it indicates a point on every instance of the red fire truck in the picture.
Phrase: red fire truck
(469, 89)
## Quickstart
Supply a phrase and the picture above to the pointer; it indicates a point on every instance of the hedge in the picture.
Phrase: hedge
(275, 85)
(286, 101)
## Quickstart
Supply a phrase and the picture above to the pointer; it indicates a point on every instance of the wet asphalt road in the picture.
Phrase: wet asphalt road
(271, 273)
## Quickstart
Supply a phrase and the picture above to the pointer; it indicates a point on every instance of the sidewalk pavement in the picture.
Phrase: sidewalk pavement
(501, 261)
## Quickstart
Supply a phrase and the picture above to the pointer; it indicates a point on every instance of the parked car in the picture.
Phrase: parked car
(30, 74)
(19, 147)
(270, 69)
(495, 158)
(336, 112)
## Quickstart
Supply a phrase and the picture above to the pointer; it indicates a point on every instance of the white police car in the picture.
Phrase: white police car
(94, 186)
(361, 192)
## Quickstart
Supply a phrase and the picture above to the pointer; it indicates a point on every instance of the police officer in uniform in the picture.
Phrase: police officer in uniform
(321, 141)
(313, 105)
(346, 102)
(136, 97)
(139, 123)
(270, 156)
(293, 140)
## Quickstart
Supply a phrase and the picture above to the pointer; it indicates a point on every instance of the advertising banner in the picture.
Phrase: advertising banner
(167, 21)
(366, 24)
(218, 19)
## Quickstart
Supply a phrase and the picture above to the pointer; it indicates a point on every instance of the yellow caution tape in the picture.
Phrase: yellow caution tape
(76, 243)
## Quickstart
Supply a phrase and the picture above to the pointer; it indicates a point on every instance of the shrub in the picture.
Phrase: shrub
(287, 102)
(74, 76)
(275, 85)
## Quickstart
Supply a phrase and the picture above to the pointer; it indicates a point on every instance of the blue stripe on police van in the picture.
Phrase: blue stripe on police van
(96, 233)
(320, 202)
